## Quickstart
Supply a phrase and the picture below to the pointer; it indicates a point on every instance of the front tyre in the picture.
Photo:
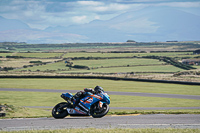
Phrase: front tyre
(97, 112)
(58, 112)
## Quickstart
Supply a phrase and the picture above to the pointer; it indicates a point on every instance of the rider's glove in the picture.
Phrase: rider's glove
(78, 94)
(89, 90)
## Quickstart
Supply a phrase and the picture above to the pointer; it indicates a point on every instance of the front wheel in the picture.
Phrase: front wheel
(58, 112)
(97, 112)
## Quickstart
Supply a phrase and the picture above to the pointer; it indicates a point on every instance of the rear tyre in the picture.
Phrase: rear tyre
(58, 112)
(99, 112)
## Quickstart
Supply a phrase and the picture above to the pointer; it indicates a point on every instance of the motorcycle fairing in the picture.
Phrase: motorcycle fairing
(87, 102)
(106, 98)
(68, 95)
(90, 100)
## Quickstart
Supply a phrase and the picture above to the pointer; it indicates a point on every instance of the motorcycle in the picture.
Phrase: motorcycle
(95, 105)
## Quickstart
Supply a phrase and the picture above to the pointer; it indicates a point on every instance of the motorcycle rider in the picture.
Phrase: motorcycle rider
(81, 94)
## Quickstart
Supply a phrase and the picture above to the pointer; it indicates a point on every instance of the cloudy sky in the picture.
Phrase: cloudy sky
(41, 14)
(60, 21)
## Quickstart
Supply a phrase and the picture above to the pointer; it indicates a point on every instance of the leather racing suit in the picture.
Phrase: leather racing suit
(81, 94)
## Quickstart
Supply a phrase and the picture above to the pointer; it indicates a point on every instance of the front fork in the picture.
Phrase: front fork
(100, 106)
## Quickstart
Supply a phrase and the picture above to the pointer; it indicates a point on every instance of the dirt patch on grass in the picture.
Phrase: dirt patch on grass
(5, 109)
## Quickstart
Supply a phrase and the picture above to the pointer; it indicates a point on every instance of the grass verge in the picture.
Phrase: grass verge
(22, 112)
(129, 112)
(116, 130)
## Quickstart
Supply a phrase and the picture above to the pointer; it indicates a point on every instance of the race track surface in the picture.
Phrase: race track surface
(196, 97)
(112, 93)
(132, 121)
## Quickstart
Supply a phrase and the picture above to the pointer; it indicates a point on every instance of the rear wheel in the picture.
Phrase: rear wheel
(59, 112)
(98, 112)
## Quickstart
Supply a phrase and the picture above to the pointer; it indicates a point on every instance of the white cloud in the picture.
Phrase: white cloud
(111, 7)
(79, 19)
(139, 0)
(90, 3)
(41, 14)
(96, 17)
(180, 4)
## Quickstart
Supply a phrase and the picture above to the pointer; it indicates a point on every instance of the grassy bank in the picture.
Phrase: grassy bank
(13, 111)
(108, 85)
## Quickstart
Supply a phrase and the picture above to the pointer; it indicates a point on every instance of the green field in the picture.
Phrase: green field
(118, 70)
(16, 63)
(95, 54)
(5, 54)
(51, 66)
(49, 99)
(108, 85)
(39, 55)
(107, 66)
(99, 54)
(153, 46)
(117, 62)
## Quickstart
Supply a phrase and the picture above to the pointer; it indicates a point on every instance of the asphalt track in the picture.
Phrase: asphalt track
(196, 97)
(131, 121)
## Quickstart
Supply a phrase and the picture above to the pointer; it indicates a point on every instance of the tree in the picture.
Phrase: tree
(130, 41)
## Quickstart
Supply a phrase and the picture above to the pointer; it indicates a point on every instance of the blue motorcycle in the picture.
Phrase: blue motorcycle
(95, 105)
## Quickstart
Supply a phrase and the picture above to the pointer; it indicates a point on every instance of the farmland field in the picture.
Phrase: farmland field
(49, 66)
(138, 61)
(39, 55)
(5, 54)
(103, 65)
(117, 62)
(106, 66)
(99, 54)
(21, 62)
(163, 68)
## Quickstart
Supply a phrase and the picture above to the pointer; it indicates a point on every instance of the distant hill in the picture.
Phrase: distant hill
(11, 24)
(12, 30)
(148, 24)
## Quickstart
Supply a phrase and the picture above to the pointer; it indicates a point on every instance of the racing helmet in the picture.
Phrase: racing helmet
(98, 89)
